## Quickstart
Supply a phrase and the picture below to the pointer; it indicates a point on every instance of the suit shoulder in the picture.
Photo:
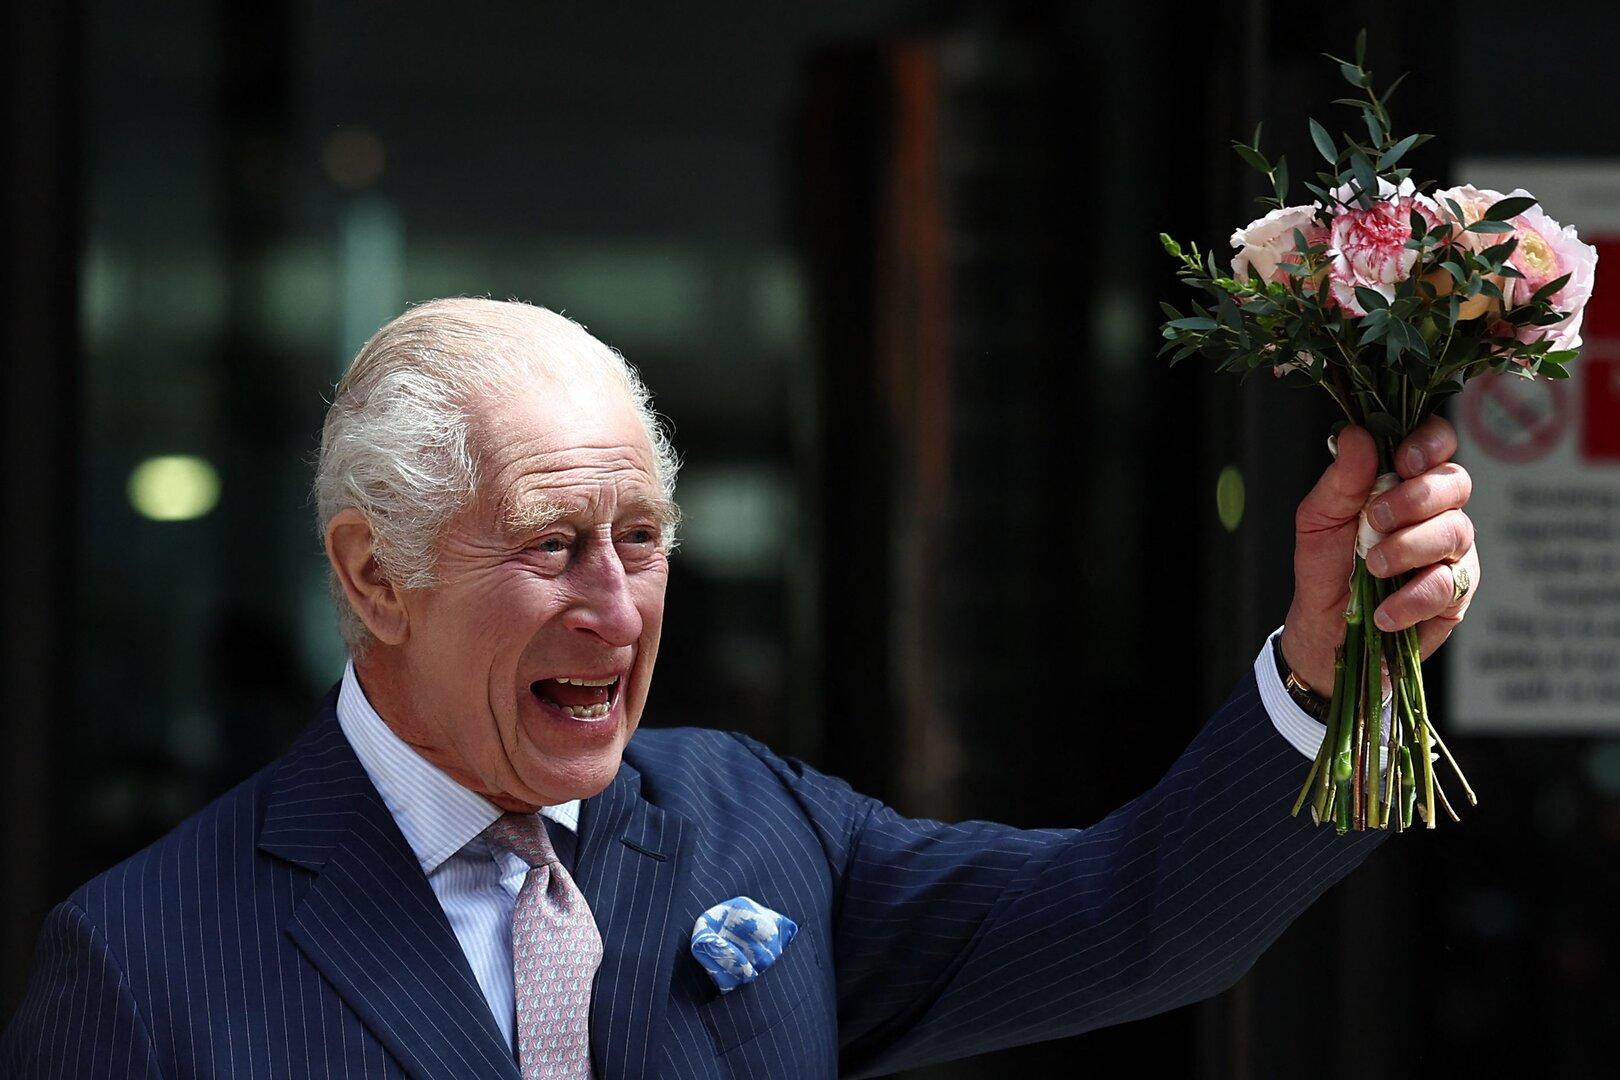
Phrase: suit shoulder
(712, 774)
(683, 758)
(701, 753)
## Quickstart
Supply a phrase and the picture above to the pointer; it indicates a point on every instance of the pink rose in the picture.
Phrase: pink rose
(1474, 202)
(1547, 251)
(1267, 245)
(1368, 248)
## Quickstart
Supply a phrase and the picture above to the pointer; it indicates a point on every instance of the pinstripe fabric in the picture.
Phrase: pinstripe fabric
(476, 885)
(288, 929)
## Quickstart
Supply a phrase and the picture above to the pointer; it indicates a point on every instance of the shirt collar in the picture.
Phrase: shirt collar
(437, 816)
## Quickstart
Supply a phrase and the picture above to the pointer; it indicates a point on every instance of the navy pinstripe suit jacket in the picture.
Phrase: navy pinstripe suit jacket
(287, 929)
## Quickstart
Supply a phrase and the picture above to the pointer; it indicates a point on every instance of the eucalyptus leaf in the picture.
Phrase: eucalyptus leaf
(1414, 340)
(1252, 157)
(1370, 299)
(1375, 130)
(1549, 290)
(1324, 143)
(1513, 206)
(1396, 152)
(1366, 179)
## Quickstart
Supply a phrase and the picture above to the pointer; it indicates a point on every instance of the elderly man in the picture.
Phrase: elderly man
(468, 867)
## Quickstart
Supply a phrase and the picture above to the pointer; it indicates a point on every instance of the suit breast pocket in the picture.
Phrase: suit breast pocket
(781, 990)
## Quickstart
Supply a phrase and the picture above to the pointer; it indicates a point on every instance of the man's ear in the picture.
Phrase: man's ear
(351, 549)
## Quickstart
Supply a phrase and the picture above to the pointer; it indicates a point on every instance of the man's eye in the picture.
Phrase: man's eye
(552, 545)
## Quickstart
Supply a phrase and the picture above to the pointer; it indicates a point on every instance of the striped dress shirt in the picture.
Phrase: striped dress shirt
(476, 885)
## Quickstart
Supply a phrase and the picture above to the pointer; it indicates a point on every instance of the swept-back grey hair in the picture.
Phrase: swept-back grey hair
(397, 444)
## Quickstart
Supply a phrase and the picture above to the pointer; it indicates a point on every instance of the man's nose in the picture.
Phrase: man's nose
(604, 605)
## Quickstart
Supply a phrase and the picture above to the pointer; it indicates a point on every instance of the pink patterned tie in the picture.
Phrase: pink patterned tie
(555, 952)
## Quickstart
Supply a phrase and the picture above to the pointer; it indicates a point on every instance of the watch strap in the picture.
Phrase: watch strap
(1312, 703)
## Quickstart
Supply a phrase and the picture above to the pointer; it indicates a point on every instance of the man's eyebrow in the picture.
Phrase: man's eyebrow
(660, 507)
(525, 515)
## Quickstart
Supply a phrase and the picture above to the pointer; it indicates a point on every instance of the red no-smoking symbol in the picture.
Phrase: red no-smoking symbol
(1515, 419)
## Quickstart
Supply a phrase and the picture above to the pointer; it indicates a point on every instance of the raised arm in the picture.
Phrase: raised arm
(954, 940)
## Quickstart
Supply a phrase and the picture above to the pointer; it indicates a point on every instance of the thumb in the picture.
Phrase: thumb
(1342, 491)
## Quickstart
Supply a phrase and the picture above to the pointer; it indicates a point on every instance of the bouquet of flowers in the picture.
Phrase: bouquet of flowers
(1389, 296)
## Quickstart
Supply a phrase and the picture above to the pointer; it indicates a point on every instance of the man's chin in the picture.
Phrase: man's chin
(575, 757)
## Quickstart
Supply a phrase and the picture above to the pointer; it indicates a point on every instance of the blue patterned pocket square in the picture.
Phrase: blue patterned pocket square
(737, 940)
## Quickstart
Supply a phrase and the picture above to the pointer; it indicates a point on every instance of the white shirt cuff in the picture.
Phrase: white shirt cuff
(1303, 732)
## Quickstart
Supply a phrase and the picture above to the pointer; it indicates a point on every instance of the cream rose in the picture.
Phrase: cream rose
(1267, 244)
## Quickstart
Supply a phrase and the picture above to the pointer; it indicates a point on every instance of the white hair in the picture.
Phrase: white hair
(397, 442)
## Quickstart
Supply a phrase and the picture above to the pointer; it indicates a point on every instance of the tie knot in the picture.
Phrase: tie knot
(525, 836)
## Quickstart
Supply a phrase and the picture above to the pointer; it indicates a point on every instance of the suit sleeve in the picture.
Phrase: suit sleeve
(954, 940)
(77, 1017)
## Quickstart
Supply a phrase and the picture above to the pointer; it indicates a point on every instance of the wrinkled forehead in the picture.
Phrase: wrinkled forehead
(554, 411)
(555, 448)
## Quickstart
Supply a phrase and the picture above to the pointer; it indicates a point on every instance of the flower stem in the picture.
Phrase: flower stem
(1373, 673)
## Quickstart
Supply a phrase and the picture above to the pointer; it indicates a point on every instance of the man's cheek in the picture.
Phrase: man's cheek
(505, 609)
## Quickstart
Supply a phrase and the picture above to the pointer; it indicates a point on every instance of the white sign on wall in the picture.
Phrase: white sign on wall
(1540, 650)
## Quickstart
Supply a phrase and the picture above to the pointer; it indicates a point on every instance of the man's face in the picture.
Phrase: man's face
(554, 573)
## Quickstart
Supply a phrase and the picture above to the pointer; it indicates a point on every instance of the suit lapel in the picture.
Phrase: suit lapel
(631, 868)
(370, 922)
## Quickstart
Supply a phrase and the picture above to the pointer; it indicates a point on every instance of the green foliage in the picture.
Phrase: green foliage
(1445, 323)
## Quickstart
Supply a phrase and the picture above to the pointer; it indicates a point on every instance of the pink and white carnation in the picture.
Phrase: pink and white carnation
(1367, 248)
(1546, 252)
(1266, 245)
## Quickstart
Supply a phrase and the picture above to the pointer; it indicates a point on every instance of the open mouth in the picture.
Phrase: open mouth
(581, 697)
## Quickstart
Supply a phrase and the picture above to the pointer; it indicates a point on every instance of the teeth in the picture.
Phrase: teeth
(588, 682)
(586, 712)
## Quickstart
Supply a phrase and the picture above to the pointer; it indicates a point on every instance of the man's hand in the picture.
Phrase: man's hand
(1427, 532)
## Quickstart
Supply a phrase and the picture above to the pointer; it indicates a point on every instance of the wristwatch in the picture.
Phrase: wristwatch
(1314, 705)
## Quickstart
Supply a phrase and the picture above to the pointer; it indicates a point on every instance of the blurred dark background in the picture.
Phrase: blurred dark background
(891, 270)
